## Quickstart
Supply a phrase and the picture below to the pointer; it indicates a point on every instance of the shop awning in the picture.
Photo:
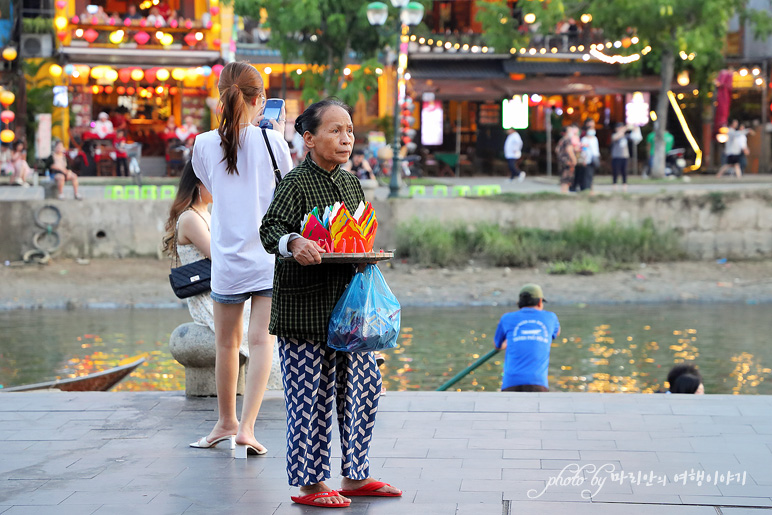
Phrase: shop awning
(498, 88)
(139, 56)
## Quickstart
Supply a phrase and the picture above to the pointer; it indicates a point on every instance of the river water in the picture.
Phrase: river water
(625, 348)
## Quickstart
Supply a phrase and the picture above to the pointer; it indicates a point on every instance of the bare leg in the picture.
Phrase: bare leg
(738, 170)
(74, 179)
(260, 359)
(59, 178)
(722, 170)
(228, 332)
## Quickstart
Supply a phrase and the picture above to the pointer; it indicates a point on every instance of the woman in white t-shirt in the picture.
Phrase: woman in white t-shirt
(234, 164)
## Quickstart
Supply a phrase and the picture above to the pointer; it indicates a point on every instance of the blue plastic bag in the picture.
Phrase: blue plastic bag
(367, 316)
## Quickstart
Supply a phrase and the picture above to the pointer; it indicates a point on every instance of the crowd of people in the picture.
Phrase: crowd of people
(158, 16)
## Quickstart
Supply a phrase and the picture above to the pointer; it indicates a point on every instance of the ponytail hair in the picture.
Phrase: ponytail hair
(240, 83)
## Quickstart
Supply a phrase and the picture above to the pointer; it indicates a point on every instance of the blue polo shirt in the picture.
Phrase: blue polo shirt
(529, 333)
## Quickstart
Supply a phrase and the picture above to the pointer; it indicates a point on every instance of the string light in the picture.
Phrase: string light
(687, 132)
(613, 59)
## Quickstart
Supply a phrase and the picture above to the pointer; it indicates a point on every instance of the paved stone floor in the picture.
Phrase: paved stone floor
(451, 453)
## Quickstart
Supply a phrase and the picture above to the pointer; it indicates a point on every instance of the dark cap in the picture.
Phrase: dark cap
(534, 290)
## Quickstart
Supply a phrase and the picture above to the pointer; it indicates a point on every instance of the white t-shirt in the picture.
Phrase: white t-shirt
(734, 143)
(513, 146)
(240, 264)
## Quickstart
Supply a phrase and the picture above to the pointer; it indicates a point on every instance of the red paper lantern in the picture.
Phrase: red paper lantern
(130, 90)
(190, 39)
(150, 74)
(173, 90)
(173, 24)
(75, 20)
(127, 22)
(62, 36)
(90, 35)
(7, 116)
(108, 89)
(61, 4)
(111, 21)
(142, 22)
(214, 10)
(124, 74)
(94, 20)
(120, 90)
(142, 37)
(216, 43)
(216, 69)
(188, 24)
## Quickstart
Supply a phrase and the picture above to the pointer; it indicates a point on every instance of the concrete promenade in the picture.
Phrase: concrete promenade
(452, 454)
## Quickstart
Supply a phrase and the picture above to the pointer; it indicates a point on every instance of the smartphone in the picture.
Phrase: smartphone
(272, 111)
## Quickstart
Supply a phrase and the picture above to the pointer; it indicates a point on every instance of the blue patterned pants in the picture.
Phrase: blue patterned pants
(317, 380)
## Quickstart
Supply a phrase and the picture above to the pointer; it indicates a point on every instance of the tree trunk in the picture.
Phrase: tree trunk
(666, 75)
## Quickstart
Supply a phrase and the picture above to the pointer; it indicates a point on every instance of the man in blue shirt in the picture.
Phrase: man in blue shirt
(526, 337)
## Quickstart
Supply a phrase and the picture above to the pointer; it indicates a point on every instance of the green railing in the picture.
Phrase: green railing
(467, 370)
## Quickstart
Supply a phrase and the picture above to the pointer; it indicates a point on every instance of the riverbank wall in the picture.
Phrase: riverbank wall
(736, 225)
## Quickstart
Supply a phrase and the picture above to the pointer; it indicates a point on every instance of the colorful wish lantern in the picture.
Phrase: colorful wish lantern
(7, 136)
(90, 35)
(216, 69)
(62, 36)
(190, 39)
(7, 98)
(124, 74)
(7, 116)
(142, 37)
(55, 70)
(61, 4)
(178, 74)
(9, 53)
(162, 74)
(137, 74)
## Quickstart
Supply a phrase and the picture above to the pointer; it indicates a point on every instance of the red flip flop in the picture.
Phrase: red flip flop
(309, 499)
(369, 490)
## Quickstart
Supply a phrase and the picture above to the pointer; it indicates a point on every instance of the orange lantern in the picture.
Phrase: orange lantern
(120, 90)
(173, 90)
(108, 89)
(7, 136)
(130, 90)
(7, 98)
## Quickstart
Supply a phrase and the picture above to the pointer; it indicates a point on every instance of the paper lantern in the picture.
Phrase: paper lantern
(97, 72)
(190, 39)
(120, 90)
(214, 10)
(137, 74)
(192, 73)
(7, 136)
(188, 24)
(142, 37)
(60, 22)
(90, 35)
(150, 75)
(116, 37)
(68, 69)
(62, 36)
(159, 90)
(95, 89)
(55, 70)
(206, 71)
(178, 74)
(94, 20)
(173, 24)
(124, 74)
(108, 89)
(111, 75)
(142, 22)
(159, 23)
(173, 90)
(162, 74)
(9, 53)
(74, 20)
(216, 43)
(61, 4)
(7, 116)
(127, 22)
(111, 21)
(217, 68)
(167, 40)
(7, 98)
(130, 90)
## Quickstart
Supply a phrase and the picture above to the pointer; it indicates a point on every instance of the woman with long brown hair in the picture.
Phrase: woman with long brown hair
(234, 162)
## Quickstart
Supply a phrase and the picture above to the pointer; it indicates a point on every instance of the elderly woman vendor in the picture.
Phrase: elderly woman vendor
(320, 384)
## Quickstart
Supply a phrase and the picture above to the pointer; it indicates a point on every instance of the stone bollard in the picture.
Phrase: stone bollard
(193, 346)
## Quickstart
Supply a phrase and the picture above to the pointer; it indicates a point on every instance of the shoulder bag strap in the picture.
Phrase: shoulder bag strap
(276, 171)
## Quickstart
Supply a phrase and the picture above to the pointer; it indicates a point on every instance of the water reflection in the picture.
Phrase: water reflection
(601, 349)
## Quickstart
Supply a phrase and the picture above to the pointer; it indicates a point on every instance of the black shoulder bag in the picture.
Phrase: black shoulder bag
(193, 278)
(276, 171)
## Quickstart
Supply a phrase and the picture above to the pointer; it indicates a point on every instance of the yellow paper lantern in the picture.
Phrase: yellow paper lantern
(7, 98)
(97, 72)
(60, 22)
(55, 70)
(167, 40)
(193, 74)
(116, 37)
(162, 74)
(178, 74)
(111, 75)
(137, 74)
(10, 53)
(7, 136)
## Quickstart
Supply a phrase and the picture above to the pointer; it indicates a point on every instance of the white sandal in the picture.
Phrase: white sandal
(244, 450)
(203, 443)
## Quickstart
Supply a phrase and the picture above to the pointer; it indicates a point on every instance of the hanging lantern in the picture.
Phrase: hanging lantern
(95, 89)
(116, 37)
(74, 20)
(192, 73)
(55, 70)
(178, 74)
(150, 75)
(142, 22)
(108, 89)
(7, 98)
(120, 90)
(9, 53)
(159, 90)
(173, 90)
(216, 43)
(97, 72)
(217, 68)
(90, 35)
(62, 36)
(130, 90)
(214, 10)
(124, 74)
(68, 69)
(7, 136)
(61, 4)
(137, 74)
(141, 37)
(173, 24)
(167, 39)
(190, 39)
(111, 75)
(188, 24)
(7, 116)
(162, 74)
(206, 71)
(60, 22)
(111, 21)
(127, 22)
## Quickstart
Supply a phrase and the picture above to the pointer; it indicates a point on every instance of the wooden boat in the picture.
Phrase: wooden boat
(96, 382)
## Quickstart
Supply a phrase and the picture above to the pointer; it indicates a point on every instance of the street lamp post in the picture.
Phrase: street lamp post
(411, 13)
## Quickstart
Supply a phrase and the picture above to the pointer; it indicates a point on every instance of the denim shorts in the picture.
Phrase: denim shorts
(239, 298)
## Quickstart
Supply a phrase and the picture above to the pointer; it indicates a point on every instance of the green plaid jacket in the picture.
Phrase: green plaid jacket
(304, 296)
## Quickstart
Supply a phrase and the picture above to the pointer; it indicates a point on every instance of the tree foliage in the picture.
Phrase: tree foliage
(694, 27)
(328, 35)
